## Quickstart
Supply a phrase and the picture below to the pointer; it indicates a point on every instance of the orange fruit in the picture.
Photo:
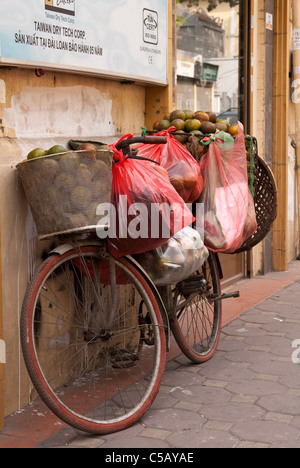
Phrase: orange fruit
(234, 129)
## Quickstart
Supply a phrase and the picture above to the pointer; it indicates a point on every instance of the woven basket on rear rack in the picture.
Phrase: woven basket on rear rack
(265, 199)
(64, 190)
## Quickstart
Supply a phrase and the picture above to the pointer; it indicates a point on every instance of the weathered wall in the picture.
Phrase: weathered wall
(39, 112)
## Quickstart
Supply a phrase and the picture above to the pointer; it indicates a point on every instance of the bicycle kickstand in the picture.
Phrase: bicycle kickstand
(221, 297)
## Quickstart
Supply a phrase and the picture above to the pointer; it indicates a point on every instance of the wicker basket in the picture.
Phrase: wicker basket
(265, 201)
(65, 189)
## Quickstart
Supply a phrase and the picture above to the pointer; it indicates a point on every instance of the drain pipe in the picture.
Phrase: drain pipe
(296, 100)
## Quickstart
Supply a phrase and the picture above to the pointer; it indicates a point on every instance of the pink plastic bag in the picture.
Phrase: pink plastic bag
(227, 204)
(148, 210)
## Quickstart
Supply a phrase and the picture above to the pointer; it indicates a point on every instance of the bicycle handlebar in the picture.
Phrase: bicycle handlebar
(147, 140)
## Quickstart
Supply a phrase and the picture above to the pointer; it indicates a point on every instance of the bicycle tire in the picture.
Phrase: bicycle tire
(197, 325)
(98, 384)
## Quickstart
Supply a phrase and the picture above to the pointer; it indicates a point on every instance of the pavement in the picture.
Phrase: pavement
(246, 396)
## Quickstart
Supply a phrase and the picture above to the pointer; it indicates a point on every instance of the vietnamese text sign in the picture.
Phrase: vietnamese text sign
(210, 72)
(124, 38)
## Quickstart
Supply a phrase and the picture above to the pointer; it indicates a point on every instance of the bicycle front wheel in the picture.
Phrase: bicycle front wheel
(83, 340)
(197, 313)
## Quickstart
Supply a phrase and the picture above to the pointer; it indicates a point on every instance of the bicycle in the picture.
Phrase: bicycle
(95, 330)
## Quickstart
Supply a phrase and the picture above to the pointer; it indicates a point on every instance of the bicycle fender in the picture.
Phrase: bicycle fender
(158, 298)
(61, 249)
(64, 248)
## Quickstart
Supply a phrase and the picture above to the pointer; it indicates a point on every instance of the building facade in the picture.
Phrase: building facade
(250, 46)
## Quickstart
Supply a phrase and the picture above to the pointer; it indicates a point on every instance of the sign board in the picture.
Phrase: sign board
(118, 38)
(186, 63)
(296, 39)
(210, 72)
(269, 21)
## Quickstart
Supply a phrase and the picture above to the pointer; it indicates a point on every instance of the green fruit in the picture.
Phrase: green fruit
(223, 121)
(84, 176)
(100, 189)
(36, 153)
(91, 212)
(192, 124)
(197, 133)
(178, 123)
(177, 114)
(99, 170)
(208, 127)
(56, 149)
(188, 114)
(81, 197)
(181, 138)
(164, 125)
(48, 168)
(202, 116)
(64, 182)
(221, 126)
(69, 162)
(212, 117)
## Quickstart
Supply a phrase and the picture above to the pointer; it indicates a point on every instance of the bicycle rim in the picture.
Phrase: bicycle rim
(96, 374)
(196, 325)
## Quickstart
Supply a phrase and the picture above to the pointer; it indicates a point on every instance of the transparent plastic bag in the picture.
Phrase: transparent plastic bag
(177, 259)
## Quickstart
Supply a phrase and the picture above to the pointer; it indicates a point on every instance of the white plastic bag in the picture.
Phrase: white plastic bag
(176, 260)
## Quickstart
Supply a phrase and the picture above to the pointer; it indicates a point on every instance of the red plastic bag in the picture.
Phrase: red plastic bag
(147, 209)
(184, 172)
(229, 214)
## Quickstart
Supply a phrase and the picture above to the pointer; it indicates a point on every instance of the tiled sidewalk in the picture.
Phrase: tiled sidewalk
(248, 395)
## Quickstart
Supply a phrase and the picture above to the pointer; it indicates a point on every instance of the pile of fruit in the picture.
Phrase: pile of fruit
(64, 188)
(196, 123)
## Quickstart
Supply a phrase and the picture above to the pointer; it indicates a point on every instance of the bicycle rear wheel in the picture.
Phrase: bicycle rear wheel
(93, 369)
(197, 314)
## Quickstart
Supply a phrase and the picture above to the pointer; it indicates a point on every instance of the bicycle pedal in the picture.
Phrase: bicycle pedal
(193, 284)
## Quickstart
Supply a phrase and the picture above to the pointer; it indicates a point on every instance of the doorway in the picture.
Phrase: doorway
(212, 71)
